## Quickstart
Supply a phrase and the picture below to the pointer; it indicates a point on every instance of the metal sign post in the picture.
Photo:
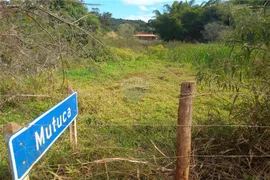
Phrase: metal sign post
(30, 143)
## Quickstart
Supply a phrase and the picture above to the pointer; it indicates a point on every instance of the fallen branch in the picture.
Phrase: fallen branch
(158, 149)
(108, 160)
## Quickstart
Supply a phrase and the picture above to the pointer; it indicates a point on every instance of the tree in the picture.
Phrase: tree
(75, 11)
(105, 20)
(212, 31)
(126, 30)
(250, 2)
(185, 20)
(144, 28)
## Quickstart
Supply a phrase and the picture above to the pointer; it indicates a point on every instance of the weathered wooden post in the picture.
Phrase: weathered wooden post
(73, 127)
(10, 129)
(183, 144)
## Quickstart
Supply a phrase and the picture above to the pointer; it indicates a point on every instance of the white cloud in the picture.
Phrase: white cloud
(144, 17)
(144, 2)
(143, 8)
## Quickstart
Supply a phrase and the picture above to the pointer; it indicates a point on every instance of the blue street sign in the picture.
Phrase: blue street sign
(30, 143)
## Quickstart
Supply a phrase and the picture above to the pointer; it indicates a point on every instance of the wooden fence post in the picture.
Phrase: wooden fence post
(10, 129)
(183, 144)
(73, 127)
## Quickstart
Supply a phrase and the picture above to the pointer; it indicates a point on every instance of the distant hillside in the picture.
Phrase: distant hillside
(115, 23)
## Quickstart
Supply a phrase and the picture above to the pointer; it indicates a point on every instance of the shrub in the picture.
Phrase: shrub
(212, 31)
(123, 54)
(158, 51)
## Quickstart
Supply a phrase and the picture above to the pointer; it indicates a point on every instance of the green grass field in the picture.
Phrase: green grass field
(127, 117)
(141, 92)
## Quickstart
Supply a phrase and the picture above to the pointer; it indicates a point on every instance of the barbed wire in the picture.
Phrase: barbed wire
(158, 125)
(170, 125)
(194, 155)
(175, 157)
(87, 95)
(140, 160)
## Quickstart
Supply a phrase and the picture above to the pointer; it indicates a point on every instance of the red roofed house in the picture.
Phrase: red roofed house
(147, 37)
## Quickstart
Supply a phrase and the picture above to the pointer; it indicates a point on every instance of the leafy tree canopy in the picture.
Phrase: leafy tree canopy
(185, 20)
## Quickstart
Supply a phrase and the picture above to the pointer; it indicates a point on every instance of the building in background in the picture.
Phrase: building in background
(146, 37)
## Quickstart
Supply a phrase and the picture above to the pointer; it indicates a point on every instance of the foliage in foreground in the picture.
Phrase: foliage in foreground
(233, 89)
(36, 42)
(146, 93)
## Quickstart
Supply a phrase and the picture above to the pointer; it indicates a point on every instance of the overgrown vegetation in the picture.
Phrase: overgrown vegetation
(128, 90)
(185, 21)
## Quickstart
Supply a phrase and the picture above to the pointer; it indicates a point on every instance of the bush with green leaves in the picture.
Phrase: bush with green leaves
(38, 37)
(123, 54)
(247, 70)
(158, 51)
(184, 21)
(213, 31)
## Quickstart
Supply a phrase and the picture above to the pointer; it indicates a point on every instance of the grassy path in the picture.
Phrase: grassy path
(142, 92)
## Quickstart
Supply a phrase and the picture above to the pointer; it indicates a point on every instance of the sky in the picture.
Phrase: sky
(131, 9)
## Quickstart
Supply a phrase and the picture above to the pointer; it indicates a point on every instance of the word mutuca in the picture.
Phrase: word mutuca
(47, 132)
